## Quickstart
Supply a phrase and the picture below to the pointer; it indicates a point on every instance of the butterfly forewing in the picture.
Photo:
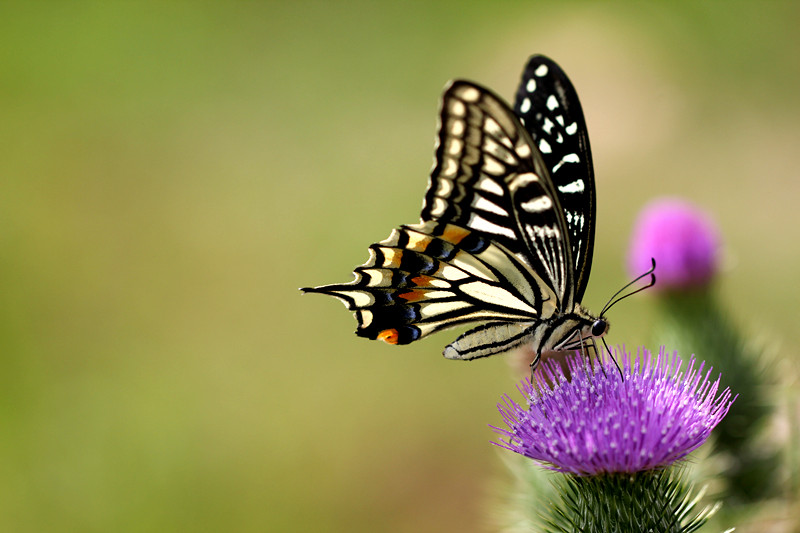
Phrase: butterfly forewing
(549, 107)
(490, 178)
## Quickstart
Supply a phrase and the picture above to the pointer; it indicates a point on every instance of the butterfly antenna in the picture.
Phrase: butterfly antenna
(612, 301)
(611, 355)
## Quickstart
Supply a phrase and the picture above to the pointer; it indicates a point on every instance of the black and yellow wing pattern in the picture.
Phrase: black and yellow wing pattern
(506, 231)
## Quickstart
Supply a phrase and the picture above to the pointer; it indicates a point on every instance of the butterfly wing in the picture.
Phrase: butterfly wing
(433, 276)
(489, 177)
(549, 108)
(490, 246)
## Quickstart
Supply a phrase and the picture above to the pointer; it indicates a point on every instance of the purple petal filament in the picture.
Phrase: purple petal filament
(683, 239)
(597, 423)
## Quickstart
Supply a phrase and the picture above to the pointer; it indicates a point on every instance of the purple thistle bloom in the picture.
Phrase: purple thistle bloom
(598, 423)
(682, 238)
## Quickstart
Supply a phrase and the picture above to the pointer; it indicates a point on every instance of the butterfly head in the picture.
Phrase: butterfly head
(592, 327)
(575, 331)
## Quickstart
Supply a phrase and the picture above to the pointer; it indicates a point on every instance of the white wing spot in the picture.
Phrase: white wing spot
(538, 205)
(544, 147)
(552, 102)
(481, 224)
(572, 128)
(458, 108)
(457, 128)
(569, 158)
(526, 105)
(482, 204)
(360, 298)
(449, 168)
(452, 273)
(439, 207)
(560, 119)
(493, 166)
(523, 150)
(444, 188)
(437, 308)
(488, 185)
(575, 186)
(491, 127)
(366, 318)
(547, 125)
(454, 146)
(541, 70)
(531, 85)
(470, 94)
(377, 277)
(521, 180)
(432, 295)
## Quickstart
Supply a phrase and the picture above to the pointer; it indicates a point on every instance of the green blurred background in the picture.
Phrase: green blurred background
(172, 172)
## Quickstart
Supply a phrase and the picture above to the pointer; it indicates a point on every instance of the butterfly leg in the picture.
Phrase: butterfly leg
(535, 363)
(598, 359)
(585, 352)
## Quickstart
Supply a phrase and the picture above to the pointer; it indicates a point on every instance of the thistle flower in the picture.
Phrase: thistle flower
(597, 423)
(683, 239)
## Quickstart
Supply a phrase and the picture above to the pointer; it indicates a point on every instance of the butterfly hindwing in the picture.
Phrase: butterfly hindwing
(489, 339)
(490, 178)
(433, 276)
(549, 108)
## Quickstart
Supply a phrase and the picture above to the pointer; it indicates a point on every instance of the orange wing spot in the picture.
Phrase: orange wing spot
(454, 234)
(422, 280)
(412, 295)
(389, 336)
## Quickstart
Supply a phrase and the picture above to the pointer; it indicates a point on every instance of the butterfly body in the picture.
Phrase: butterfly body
(505, 234)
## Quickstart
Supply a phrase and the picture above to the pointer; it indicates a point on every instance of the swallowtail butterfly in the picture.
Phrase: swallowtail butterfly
(506, 232)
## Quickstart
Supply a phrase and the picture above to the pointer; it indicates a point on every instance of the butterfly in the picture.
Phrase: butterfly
(506, 233)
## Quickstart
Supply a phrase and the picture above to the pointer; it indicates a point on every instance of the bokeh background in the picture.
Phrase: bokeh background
(173, 172)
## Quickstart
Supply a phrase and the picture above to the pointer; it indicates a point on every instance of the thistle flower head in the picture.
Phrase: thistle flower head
(597, 422)
(682, 238)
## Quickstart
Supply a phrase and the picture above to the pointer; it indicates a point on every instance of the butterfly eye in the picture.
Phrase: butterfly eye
(599, 327)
